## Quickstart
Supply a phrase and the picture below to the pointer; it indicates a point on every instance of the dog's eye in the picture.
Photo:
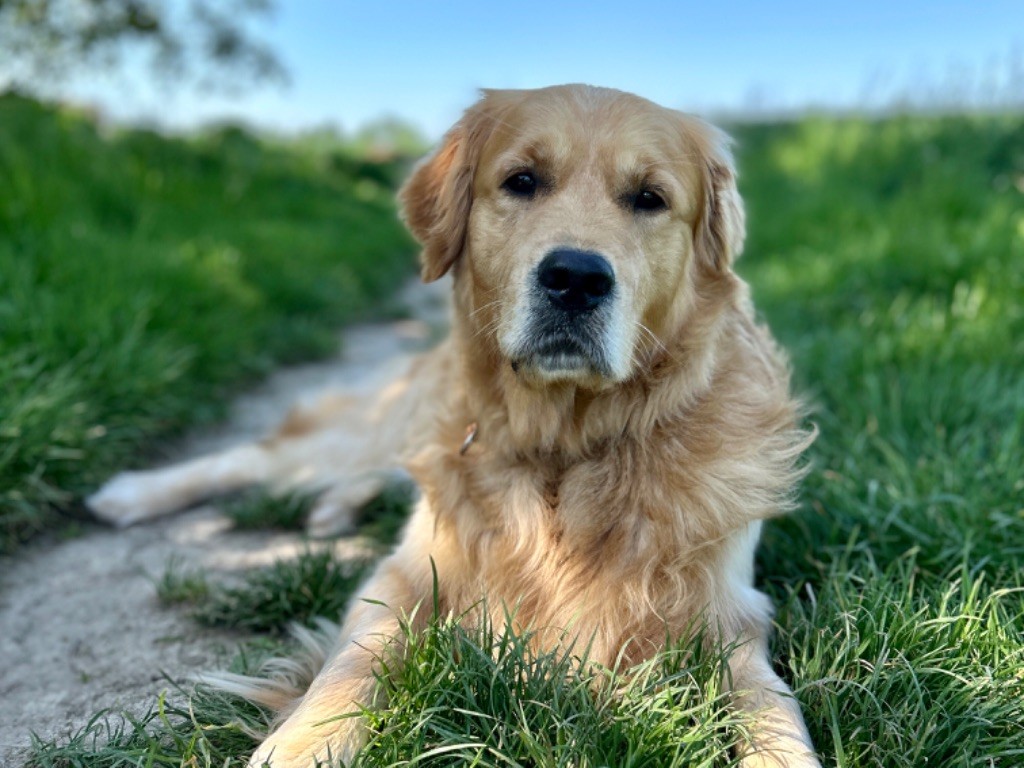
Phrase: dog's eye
(523, 184)
(648, 200)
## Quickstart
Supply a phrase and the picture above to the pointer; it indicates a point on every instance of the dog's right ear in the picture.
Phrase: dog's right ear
(437, 197)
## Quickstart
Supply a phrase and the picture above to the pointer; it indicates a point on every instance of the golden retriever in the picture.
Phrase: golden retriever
(600, 438)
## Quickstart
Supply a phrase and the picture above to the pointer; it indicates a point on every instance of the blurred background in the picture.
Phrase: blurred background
(293, 66)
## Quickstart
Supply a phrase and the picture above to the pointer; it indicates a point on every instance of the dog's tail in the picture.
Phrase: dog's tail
(281, 682)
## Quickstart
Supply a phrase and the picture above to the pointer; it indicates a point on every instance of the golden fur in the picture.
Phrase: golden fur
(620, 502)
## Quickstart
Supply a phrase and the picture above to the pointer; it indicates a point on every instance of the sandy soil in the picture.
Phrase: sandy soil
(80, 627)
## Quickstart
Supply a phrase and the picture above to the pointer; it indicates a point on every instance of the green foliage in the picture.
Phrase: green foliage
(179, 584)
(900, 667)
(145, 278)
(486, 697)
(459, 697)
(289, 591)
(382, 519)
(260, 510)
(889, 257)
(211, 729)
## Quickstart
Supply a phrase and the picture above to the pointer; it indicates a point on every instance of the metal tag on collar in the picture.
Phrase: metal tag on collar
(468, 440)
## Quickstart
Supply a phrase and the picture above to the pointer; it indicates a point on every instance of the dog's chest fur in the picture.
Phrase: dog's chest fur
(634, 530)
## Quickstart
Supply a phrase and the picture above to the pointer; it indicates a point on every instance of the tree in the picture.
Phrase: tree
(202, 40)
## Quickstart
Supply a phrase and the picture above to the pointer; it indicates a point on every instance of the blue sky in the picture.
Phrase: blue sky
(351, 62)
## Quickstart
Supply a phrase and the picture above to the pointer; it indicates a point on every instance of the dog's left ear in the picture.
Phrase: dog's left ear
(437, 198)
(722, 226)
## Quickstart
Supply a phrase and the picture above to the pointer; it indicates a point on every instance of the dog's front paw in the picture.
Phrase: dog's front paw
(329, 744)
(798, 758)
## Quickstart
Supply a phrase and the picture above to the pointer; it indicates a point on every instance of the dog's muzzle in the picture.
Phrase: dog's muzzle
(570, 302)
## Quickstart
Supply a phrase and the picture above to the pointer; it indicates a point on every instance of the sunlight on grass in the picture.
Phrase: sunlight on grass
(894, 662)
(486, 697)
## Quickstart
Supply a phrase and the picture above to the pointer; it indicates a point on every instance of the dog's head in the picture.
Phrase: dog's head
(581, 223)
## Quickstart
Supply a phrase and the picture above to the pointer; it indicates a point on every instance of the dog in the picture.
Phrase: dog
(597, 442)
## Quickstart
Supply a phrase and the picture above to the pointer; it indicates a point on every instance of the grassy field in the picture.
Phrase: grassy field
(888, 256)
(144, 278)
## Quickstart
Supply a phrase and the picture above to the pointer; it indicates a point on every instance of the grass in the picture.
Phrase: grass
(888, 256)
(261, 510)
(896, 661)
(380, 521)
(144, 278)
(479, 698)
(484, 698)
(209, 729)
(289, 591)
(181, 585)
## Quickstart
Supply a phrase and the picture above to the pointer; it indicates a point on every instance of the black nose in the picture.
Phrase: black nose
(575, 280)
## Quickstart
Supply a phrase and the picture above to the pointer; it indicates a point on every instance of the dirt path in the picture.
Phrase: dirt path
(80, 627)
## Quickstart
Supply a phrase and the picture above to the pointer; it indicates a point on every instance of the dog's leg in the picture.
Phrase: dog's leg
(334, 512)
(325, 724)
(742, 618)
(329, 445)
(779, 738)
(133, 497)
(343, 445)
